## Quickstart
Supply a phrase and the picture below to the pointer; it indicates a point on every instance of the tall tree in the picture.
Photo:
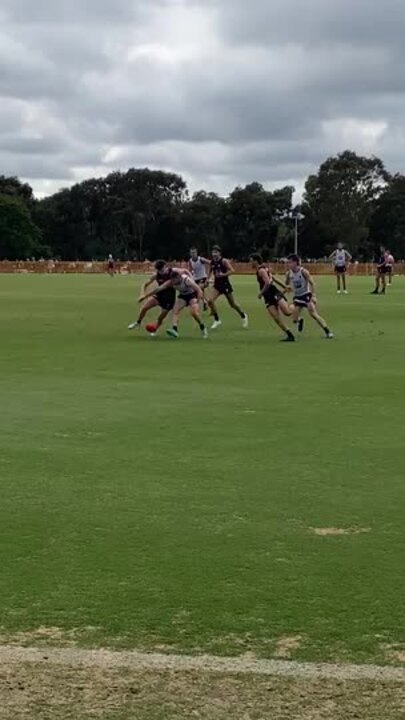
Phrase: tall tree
(19, 236)
(388, 221)
(338, 202)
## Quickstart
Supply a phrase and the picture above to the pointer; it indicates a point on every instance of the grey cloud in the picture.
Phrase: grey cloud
(221, 91)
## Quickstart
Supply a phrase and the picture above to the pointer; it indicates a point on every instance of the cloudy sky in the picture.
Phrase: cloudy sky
(221, 91)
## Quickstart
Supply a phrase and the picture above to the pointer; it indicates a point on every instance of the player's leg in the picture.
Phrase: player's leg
(344, 282)
(195, 313)
(296, 312)
(178, 308)
(234, 305)
(274, 313)
(377, 283)
(318, 319)
(338, 280)
(146, 307)
(212, 303)
(284, 307)
(383, 283)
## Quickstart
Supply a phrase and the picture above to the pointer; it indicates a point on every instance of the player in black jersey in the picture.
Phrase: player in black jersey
(382, 272)
(222, 269)
(165, 300)
(274, 299)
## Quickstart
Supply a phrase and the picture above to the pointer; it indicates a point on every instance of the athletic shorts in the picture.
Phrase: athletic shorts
(111, 265)
(303, 300)
(273, 297)
(188, 298)
(166, 299)
(202, 283)
(223, 286)
(383, 270)
(340, 269)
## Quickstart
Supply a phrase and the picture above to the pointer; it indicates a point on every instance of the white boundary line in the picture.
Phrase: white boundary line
(132, 660)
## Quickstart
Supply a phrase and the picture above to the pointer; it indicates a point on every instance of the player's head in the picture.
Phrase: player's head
(256, 260)
(382, 248)
(161, 265)
(216, 252)
(294, 261)
(340, 246)
(194, 253)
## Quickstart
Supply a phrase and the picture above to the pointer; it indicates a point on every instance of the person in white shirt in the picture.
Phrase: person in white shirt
(341, 259)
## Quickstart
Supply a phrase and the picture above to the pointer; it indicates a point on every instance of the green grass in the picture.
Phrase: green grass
(163, 493)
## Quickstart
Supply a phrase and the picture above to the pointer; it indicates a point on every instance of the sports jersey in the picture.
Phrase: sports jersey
(198, 269)
(298, 282)
(340, 258)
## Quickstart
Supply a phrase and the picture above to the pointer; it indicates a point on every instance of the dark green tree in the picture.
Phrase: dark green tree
(338, 203)
(19, 236)
(388, 221)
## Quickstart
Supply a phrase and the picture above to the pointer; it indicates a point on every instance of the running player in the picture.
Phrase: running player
(164, 300)
(222, 269)
(110, 265)
(341, 258)
(276, 303)
(382, 272)
(189, 295)
(299, 280)
(198, 267)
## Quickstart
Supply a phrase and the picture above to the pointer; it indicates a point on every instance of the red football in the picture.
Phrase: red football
(151, 328)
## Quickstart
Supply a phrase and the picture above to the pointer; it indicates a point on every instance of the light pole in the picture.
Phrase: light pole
(296, 215)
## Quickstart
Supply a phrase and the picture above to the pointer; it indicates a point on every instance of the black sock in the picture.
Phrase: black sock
(175, 328)
(216, 317)
(202, 326)
(242, 314)
(326, 331)
(290, 334)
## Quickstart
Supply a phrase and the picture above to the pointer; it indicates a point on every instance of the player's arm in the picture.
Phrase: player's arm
(148, 283)
(287, 284)
(168, 284)
(266, 277)
(348, 257)
(193, 285)
(332, 256)
(308, 277)
(228, 270)
(281, 284)
(190, 267)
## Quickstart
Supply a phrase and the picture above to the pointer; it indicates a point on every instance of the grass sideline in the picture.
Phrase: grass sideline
(167, 495)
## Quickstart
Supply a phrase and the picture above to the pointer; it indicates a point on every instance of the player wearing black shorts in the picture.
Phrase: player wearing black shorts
(222, 269)
(110, 266)
(382, 272)
(165, 299)
(189, 295)
(274, 299)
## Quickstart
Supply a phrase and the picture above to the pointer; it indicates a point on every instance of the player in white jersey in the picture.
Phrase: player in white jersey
(390, 262)
(199, 268)
(341, 259)
(189, 295)
(299, 280)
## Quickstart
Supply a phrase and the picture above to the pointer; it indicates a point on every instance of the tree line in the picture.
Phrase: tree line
(145, 213)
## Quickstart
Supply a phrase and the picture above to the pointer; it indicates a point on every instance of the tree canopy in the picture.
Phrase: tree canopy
(145, 213)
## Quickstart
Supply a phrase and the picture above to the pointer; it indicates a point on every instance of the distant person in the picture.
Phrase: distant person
(390, 262)
(299, 280)
(222, 269)
(110, 265)
(382, 272)
(341, 259)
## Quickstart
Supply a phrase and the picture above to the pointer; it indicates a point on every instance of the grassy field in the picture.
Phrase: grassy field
(183, 495)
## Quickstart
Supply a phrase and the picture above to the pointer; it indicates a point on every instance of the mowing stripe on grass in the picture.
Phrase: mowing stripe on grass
(204, 663)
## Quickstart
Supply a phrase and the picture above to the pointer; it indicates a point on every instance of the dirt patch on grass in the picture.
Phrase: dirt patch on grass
(334, 531)
(47, 637)
(30, 691)
(286, 646)
(394, 653)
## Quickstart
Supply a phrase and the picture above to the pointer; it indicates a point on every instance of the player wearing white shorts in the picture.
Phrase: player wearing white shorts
(341, 259)
(299, 280)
